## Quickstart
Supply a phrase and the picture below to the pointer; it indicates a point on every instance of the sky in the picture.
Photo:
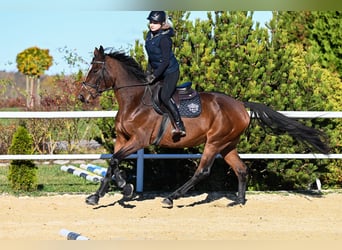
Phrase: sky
(80, 31)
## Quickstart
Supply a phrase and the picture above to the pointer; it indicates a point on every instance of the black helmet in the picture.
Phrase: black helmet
(157, 16)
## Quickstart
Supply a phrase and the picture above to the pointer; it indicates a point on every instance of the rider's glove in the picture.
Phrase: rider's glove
(150, 79)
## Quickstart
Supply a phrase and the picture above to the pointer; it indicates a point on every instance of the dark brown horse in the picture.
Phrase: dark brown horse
(219, 126)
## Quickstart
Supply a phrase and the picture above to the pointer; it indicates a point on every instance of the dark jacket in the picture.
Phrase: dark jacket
(160, 56)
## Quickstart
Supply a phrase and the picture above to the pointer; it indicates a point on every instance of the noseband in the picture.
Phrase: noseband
(87, 85)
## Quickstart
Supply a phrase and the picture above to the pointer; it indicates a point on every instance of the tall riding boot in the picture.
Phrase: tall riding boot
(176, 119)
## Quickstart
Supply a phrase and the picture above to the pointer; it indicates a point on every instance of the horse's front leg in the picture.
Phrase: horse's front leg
(105, 182)
(113, 172)
(127, 188)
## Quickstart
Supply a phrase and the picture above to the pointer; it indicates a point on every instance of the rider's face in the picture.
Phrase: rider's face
(155, 26)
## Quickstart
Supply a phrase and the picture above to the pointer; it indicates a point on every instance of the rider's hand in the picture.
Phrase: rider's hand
(150, 78)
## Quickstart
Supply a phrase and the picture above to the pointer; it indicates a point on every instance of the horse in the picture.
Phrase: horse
(219, 125)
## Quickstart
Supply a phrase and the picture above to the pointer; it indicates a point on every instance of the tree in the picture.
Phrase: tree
(320, 29)
(305, 85)
(33, 62)
(227, 53)
(22, 174)
(326, 36)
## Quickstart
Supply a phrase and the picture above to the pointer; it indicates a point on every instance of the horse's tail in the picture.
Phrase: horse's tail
(281, 124)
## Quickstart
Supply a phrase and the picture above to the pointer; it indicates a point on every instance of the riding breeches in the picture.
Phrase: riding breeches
(167, 90)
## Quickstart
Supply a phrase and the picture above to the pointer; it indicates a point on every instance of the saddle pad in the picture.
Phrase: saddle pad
(190, 107)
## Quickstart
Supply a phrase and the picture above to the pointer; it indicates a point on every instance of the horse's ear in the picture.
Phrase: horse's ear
(96, 51)
(99, 52)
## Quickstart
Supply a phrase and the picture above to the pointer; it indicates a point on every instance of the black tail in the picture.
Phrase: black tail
(281, 124)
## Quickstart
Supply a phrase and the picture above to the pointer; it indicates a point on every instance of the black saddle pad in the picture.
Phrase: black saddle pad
(188, 107)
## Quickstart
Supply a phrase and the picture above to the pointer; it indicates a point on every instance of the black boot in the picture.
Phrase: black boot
(179, 129)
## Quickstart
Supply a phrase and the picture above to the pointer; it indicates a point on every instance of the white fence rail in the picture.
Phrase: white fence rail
(57, 114)
(140, 156)
(96, 114)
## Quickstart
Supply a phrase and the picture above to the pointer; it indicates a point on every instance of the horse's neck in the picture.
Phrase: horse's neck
(129, 92)
(130, 98)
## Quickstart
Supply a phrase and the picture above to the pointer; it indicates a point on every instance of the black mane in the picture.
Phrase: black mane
(129, 64)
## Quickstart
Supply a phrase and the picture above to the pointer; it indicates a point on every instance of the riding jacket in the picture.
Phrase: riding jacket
(160, 56)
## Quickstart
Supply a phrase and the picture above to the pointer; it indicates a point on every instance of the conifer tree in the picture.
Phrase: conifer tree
(305, 86)
(326, 35)
(321, 29)
(22, 174)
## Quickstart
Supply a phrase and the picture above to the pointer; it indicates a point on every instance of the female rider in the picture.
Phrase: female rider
(163, 65)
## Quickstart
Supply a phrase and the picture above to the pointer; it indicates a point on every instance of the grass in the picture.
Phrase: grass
(51, 180)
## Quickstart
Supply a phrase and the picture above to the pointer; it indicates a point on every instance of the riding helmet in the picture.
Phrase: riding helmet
(157, 16)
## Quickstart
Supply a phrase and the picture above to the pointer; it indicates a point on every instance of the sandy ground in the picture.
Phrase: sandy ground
(266, 216)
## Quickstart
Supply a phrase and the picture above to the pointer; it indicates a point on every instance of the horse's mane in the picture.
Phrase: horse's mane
(129, 64)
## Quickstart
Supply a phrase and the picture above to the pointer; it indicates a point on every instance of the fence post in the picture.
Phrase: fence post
(140, 171)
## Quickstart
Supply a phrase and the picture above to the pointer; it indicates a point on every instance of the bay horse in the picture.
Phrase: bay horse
(219, 126)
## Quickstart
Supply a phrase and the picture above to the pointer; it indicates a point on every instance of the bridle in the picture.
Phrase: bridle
(96, 86)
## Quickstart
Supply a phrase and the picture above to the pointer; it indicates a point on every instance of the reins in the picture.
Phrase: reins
(130, 86)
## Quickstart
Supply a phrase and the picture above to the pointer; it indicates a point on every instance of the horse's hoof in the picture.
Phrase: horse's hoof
(167, 203)
(92, 199)
(128, 191)
(237, 203)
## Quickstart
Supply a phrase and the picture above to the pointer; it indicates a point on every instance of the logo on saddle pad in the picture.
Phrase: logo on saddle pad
(193, 107)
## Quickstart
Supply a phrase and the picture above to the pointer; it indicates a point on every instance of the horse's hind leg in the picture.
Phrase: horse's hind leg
(202, 171)
(241, 171)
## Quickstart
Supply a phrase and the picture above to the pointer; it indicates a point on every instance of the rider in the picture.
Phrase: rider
(163, 65)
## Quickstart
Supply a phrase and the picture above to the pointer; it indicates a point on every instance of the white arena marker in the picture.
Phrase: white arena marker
(72, 235)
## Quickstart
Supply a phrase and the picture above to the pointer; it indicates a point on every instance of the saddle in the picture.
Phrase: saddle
(185, 97)
(187, 101)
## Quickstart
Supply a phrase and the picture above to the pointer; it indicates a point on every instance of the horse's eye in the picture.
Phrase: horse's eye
(95, 69)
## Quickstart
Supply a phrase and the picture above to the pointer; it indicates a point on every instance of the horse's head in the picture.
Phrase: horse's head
(115, 70)
(97, 79)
